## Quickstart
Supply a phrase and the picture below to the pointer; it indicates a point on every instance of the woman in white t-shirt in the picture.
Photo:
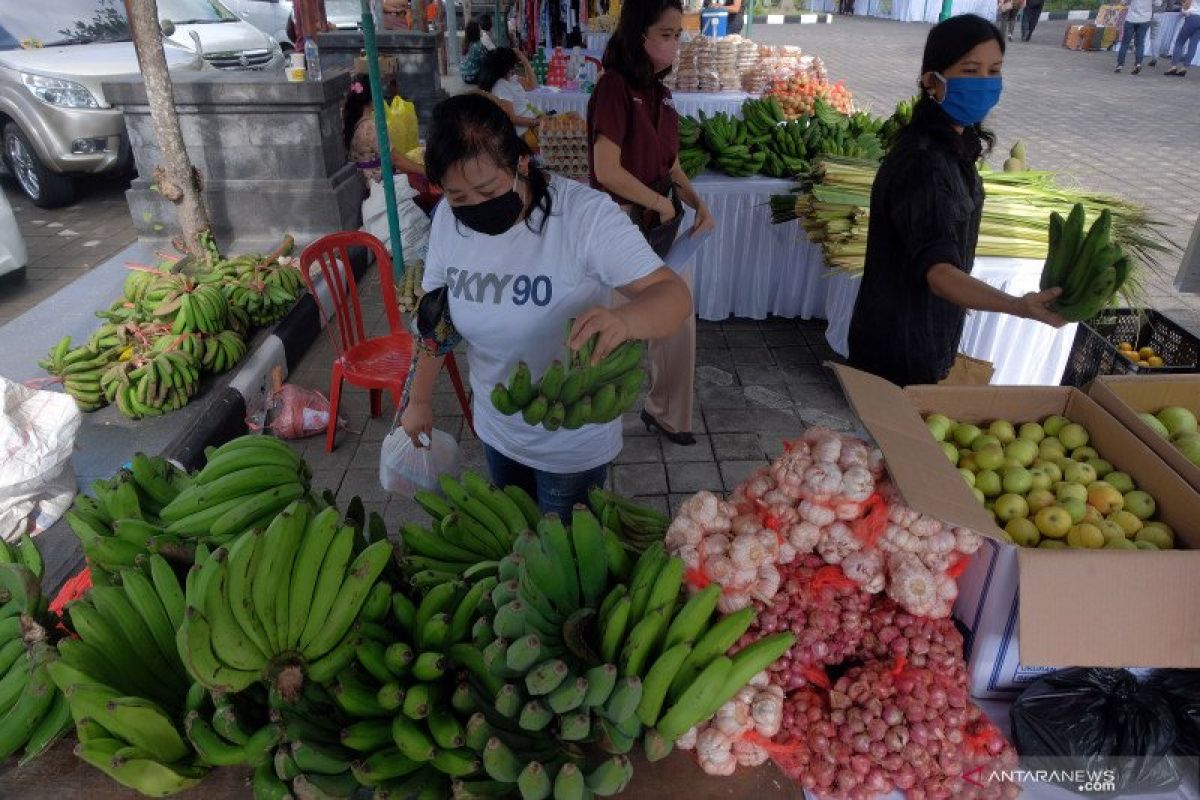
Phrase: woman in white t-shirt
(518, 255)
(506, 74)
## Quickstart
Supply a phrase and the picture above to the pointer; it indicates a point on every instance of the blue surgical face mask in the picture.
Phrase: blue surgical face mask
(968, 99)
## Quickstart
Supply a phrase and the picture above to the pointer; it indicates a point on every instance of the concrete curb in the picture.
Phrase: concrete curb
(821, 18)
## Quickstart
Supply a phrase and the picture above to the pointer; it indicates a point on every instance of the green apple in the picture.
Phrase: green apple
(1002, 430)
(1013, 463)
(1079, 473)
(939, 425)
(1143, 544)
(1154, 424)
(990, 457)
(1158, 534)
(1023, 532)
(1051, 448)
(1119, 544)
(1053, 522)
(1084, 454)
(1052, 544)
(1178, 420)
(1032, 431)
(979, 495)
(1076, 508)
(985, 440)
(1112, 530)
(1040, 478)
(1120, 481)
(1128, 522)
(967, 461)
(1189, 445)
(1053, 470)
(964, 434)
(1073, 435)
(1039, 499)
(1053, 424)
(1065, 490)
(1101, 466)
(951, 452)
(968, 476)
(1140, 504)
(1022, 450)
(1011, 506)
(1016, 480)
(988, 482)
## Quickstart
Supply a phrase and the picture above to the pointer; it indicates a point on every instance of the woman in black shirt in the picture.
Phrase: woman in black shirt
(925, 210)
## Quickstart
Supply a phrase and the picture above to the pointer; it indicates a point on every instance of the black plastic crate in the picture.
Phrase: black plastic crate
(1096, 352)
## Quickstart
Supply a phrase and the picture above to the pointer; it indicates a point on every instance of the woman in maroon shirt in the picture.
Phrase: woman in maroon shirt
(633, 131)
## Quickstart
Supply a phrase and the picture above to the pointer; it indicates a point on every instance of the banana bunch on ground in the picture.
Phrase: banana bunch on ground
(79, 369)
(264, 286)
(1089, 267)
(33, 713)
(408, 290)
(124, 682)
(280, 604)
(577, 394)
(474, 526)
(636, 526)
(223, 351)
(151, 385)
(187, 304)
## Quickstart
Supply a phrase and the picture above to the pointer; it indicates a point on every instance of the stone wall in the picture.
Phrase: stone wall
(270, 154)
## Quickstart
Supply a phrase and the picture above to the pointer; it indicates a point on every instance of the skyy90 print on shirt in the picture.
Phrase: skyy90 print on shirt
(490, 287)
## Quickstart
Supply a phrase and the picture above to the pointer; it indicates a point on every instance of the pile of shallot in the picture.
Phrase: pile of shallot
(886, 726)
(740, 733)
(890, 632)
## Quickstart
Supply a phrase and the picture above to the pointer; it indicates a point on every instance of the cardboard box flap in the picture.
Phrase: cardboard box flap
(915, 460)
(1106, 609)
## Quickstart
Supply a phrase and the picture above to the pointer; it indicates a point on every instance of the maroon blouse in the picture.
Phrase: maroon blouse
(643, 124)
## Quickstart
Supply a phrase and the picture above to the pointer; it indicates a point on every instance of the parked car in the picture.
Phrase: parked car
(55, 122)
(12, 246)
(225, 39)
(271, 16)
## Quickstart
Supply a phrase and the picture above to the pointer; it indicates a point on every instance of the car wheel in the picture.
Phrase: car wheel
(44, 188)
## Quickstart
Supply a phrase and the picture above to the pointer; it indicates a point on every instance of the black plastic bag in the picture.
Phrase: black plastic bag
(1097, 720)
(1182, 688)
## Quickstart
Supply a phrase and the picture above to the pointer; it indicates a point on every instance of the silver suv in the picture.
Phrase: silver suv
(55, 123)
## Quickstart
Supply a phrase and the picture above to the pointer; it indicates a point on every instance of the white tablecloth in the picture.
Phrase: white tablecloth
(751, 268)
(916, 10)
(1168, 28)
(689, 103)
(982, 8)
(1024, 352)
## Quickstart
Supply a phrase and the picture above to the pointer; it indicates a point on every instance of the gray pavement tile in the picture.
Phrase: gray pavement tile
(344, 449)
(777, 324)
(714, 376)
(676, 500)
(640, 450)
(680, 454)
(739, 324)
(762, 420)
(694, 477)
(801, 379)
(715, 397)
(734, 473)
(798, 356)
(766, 397)
(362, 483)
(327, 479)
(771, 444)
(751, 356)
(736, 446)
(784, 337)
(633, 479)
(711, 338)
(658, 502)
(758, 375)
(752, 338)
(720, 357)
(471, 456)
(632, 425)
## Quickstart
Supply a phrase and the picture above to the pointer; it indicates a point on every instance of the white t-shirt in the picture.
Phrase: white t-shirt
(514, 92)
(511, 297)
(486, 39)
(1140, 11)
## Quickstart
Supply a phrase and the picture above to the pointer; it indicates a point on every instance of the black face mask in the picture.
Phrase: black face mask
(492, 217)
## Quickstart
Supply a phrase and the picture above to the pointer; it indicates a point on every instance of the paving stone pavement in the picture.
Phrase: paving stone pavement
(1130, 135)
(64, 243)
(743, 413)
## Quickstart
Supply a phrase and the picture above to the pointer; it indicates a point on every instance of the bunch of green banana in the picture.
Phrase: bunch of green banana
(193, 307)
(137, 283)
(474, 526)
(244, 485)
(693, 159)
(151, 385)
(408, 290)
(1089, 267)
(761, 117)
(120, 522)
(266, 295)
(578, 394)
(193, 343)
(897, 122)
(279, 604)
(122, 311)
(636, 526)
(79, 369)
(1016, 159)
(223, 351)
(689, 132)
(231, 269)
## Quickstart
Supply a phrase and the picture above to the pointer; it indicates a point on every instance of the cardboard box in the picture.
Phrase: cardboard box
(1073, 38)
(1124, 396)
(1028, 611)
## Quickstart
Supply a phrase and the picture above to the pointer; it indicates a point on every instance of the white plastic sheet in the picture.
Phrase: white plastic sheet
(686, 103)
(405, 468)
(37, 437)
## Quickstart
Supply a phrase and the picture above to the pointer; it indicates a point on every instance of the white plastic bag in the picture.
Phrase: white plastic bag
(405, 468)
(414, 223)
(37, 437)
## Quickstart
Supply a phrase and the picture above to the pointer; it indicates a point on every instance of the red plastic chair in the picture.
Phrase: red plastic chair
(378, 363)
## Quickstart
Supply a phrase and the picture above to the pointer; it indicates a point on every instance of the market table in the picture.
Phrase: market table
(547, 99)
(916, 10)
(1024, 352)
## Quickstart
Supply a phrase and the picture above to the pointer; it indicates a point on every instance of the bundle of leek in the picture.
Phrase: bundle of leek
(833, 207)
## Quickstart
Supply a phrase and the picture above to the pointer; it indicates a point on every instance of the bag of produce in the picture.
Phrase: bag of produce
(406, 469)
(402, 124)
(1182, 688)
(1097, 720)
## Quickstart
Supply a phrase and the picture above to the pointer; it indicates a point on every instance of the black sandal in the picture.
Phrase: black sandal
(682, 438)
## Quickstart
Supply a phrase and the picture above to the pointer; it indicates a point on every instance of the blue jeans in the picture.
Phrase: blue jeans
(1186, 41)
(1135, 31)
(555, 492)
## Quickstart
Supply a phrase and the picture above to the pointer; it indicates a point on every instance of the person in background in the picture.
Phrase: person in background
(485, 31)
(473, 53)
(633, 133)
(736, 17)
(1137, 25)
(435, 14)
(1187, 40)
(1030, 15)
(1008, 11)
(506, 74)
(362, 144)
(397, 15)
(926, 206)
(515, 254)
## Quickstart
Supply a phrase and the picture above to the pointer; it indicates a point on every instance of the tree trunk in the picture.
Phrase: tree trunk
(175, 179)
